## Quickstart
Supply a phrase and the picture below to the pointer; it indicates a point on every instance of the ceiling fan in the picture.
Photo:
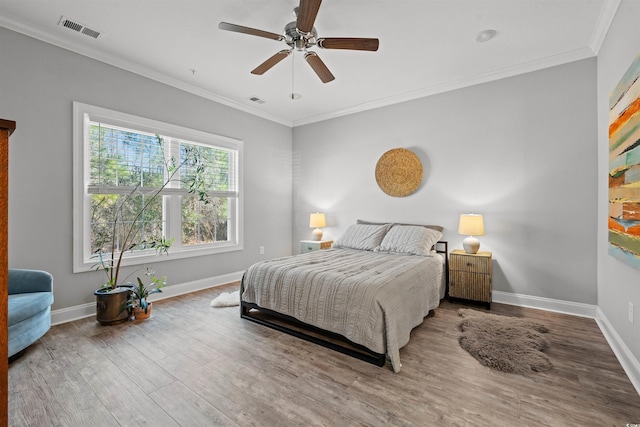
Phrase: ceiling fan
(301, 35)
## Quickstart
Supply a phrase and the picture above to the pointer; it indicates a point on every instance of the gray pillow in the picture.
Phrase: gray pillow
(362, 236)
(409, 239)
(433, 227)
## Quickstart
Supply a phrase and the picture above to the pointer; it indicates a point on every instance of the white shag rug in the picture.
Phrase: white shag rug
(227, 299)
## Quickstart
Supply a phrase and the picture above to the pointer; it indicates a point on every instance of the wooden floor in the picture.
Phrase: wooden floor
(193, 365)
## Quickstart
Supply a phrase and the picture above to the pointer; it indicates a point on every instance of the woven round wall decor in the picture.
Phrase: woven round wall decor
(399, 172)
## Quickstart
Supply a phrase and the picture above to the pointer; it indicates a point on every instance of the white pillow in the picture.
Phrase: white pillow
(409, 239)
(362, 236)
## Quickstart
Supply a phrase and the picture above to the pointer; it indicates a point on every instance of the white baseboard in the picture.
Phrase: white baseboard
(70, 314)
(547, 304)
(628, 361)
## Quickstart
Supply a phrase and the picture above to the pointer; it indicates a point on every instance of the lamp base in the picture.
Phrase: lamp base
(317, 234)
(471, 245)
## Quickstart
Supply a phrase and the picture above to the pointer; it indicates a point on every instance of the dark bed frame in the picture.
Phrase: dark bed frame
(320, 336)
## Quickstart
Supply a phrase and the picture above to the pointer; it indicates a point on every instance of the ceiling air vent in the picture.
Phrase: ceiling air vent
(256, 100)
(79, 28)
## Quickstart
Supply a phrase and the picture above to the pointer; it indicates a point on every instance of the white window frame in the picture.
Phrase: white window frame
(82, 114)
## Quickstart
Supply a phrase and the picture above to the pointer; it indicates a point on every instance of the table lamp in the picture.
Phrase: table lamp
(471, 225)
(316, 221)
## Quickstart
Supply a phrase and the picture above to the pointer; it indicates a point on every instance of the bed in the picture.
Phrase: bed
(362, 297)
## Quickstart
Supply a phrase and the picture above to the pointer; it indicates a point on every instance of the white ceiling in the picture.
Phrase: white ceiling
(426, 46)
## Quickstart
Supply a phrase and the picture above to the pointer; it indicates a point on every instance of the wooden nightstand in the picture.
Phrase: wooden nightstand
(314, 245)
(470, 276)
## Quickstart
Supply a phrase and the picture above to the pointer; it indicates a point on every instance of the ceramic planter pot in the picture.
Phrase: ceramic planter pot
(109, 305)
(139, 313)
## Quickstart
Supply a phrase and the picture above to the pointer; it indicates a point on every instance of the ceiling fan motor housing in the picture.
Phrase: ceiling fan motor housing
(297, 40)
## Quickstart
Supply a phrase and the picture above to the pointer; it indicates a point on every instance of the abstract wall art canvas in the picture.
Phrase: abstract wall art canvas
(624, 167)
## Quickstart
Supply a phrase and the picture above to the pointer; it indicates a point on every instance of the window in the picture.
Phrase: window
(169, 182)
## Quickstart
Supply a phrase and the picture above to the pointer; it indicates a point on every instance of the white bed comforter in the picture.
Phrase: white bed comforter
(373, 299)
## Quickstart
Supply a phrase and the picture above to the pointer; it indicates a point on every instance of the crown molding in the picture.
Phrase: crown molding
(135, 68)
(498, 74)
(606, 16)
(607, 13)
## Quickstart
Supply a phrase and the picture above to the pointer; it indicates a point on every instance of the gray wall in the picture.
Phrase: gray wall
(618, 284)
(522, 151)
(39, 82)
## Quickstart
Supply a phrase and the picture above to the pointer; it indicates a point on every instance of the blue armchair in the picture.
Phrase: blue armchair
(30, 299)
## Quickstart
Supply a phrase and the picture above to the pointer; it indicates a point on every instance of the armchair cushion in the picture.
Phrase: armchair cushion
(29, 308)
(25, 306)
(25, 281)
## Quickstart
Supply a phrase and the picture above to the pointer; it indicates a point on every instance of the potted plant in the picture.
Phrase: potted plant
(137, 304)
(121, 233)
(114, 303)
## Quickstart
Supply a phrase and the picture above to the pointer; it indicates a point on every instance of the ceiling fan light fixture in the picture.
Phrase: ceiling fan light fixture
(486, 35)
(301, 35)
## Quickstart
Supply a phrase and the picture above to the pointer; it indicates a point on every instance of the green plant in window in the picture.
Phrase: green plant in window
(133, 221)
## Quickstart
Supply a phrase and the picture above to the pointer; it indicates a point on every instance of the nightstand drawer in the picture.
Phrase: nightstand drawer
(314, 245)
(471, 286)
(478, 263)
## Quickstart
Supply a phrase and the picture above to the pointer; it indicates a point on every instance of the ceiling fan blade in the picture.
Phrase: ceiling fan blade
(251, 31)
(307, 13)
(348, 43)
(318, 66)
(266, 65)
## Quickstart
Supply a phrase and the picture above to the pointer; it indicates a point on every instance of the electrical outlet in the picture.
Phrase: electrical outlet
(631, 312)
(261, 250)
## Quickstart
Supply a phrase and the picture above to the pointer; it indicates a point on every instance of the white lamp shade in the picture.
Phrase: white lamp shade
(471, 225)
(317, 220)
